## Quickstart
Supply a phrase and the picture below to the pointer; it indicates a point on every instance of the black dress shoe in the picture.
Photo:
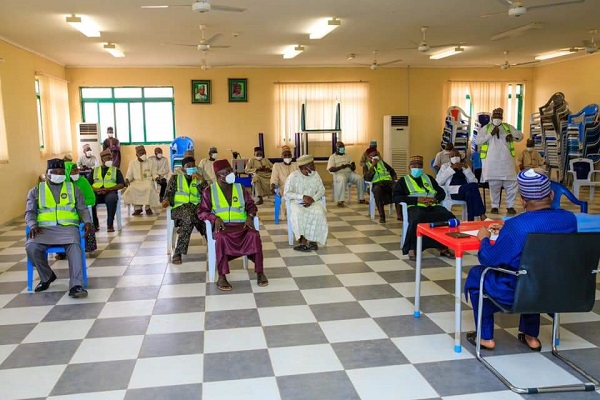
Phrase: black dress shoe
(511, 211)
(45, 285)
(313, 246)
(78, 292)
(494, 211)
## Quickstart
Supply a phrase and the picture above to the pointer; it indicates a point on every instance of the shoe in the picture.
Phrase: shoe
(78, 292)
(45, 285)
(494, 211)
(511, 211)
(176, 259)
(60, 256)
(472, 338)
(223, 285)
(382, 220)
(302, 247)
(447, 253)
(313, 246)
(261, 280)
(341, 204)
(97, 228)
(149, 211)
(137, 212)
(412, 256)
(363, 202)
(259, 201)
(110, 229)
(522, 339)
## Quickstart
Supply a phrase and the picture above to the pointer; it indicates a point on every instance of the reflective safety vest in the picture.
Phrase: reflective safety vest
(236, 212)
(417, 191)
(484, 147)
(186, 193)
(381, 172)
(108, 180)
(51, 214)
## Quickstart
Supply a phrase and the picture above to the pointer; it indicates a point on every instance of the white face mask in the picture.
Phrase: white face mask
(57, 178)
(214, 156)
(530, 149)
(496, 121)
(311, 173)
(110, 134)
(258, 158)
(230, 178)
(108, 163)
(375, 158)
(74, 177)
(287, 160)
(159, 156)
(454, 160)
(88, 153)
(143, 157)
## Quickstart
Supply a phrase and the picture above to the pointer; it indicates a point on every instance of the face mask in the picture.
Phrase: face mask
(416, 172)
(311, 172)
(530, 149)
(496, 121)
(57, 178)
(454, 160)
(375, 158)
(88, 153)
(143, 157)
(258, 158)
(110, 134)
(159, 156)
(191, 171)
(214, 156)
(342, 150)
(74, 177)
(287, 160)
(108, 163)
(230, 178)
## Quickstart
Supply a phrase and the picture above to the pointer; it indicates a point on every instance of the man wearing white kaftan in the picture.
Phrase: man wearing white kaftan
(140, 178)
(308, 216)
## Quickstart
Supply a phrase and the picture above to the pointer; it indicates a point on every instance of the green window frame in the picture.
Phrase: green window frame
(109, 106)
(38, 101)
(520, 91)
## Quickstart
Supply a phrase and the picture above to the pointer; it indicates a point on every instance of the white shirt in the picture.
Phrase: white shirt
(337, 160)
(499, 163)
(444, 177)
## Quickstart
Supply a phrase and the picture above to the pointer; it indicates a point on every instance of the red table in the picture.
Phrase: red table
(460, 246)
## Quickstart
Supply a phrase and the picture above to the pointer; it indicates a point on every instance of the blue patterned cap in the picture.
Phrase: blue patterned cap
(533, 186)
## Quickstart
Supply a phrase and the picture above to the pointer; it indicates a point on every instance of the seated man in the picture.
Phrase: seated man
(443, 156)
(382, 176)
(531, 158)
(308, 215)
(460, 183)
(343, 169)
(365, 157)
(260, 168)
(87, 160)
(422, 194)
(72, 175)
(140, 178)
(107, 180)
(281, 171)
(536, 198)
(205, 166)
(231, 211)
(163, 168)
(53, 211)
(183, 194)
(179, 169)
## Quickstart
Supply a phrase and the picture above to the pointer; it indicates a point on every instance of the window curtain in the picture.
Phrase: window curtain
(3, 140)
(54, 99)
(320, 101)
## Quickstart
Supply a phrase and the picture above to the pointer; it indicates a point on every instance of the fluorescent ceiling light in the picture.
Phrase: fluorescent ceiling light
(113, 50)
(511, 33)
(447, 53)
(324, 27)
(85, 27)
(554, 54)
(293, 51)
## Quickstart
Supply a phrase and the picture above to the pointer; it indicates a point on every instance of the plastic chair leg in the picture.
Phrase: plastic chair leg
(277, 208)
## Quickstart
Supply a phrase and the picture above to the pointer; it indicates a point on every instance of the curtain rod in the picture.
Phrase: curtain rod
(324, 83)
(51, 76)
(497, 80)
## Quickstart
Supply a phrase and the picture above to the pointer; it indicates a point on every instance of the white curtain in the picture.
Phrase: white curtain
(54, 98)
(320, 101)
(3, 141)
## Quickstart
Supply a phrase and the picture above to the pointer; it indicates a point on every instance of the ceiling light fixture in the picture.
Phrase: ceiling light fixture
(114, 50)
(324, 27)
(293, 51)
(350, 56)
(447, 53)
(85, 27)
(511, 33)
(554, 54)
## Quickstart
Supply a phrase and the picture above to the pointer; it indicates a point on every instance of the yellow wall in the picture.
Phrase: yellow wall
(20, 111)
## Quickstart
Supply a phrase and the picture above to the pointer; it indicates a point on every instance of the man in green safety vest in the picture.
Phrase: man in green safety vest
(183, 194)
(106, 181)
(497, 153)
(53, 212)
(382, 177)
(231, 211)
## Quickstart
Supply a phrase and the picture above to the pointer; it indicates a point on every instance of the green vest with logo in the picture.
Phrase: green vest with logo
(234, 212)
(186, 193)
(108, 180)
(417, 191)
(381, 172)
(484, 147)
(51, 214)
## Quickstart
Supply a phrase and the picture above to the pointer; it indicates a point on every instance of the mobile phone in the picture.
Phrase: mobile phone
(458, 235)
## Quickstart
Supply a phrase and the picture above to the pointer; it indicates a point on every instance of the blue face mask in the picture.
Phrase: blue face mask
(191, 171)
(342, 150)
(416, 172)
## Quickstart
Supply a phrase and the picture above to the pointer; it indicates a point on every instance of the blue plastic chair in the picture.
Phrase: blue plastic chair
(58, 249)
(559, 190)
(179, 146)
(277, 200)
(588, 115)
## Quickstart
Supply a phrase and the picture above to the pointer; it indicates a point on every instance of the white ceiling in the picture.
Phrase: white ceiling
(268, 26)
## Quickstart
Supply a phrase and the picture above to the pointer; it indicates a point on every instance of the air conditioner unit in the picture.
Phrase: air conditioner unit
(396, 142)
(89, 134)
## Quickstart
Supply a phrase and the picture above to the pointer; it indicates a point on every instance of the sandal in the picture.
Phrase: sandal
(223, 285)
(261, 280)
(472, 338)
(447, 253)
(412, 256)
(523, 339)
(176, 259)
(302, 247)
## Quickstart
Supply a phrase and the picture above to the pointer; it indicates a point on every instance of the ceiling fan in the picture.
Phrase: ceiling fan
(205, 44)
(374, 65)
(516, 8)
(507, 64)
(200, 6)
(424, 46)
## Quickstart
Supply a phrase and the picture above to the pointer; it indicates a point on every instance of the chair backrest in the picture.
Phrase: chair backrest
(484, 118)
(582, 168)
(559, 274)
(180, 145)
(559, 190)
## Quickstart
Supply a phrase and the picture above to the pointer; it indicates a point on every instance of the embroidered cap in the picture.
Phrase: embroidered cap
(305, 160)
(370, 150)
(497, 113)
(56, 163)
(220, 165)
(533, 186)
(416, 160)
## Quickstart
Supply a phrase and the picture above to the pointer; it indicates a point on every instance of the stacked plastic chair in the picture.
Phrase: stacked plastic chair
(456, 129)
(481, 120)
(553, 122)
(535, 132)
(591, 145)
(576, 129)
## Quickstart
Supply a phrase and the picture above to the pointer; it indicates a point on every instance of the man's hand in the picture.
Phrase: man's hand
(126, 182)
(375, 162)
(35, 232)
(219, 225)
(509, 138)
(249, 222)
(483, 233)
(88, 228)
(165, 203)
(308, 201)
(272, 188)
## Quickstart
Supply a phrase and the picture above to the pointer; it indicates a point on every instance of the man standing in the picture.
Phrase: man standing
(382, 177)
(53, 211)
(260, 168)
(231, 211)
(106, 181)
(205, 167)
(530, 158)
(342, 167)
(140, 178)
(281, 171)
(162, 169)
(443, 156)
(308, 216)
(87, 160)
(497, 153)
(112, 143)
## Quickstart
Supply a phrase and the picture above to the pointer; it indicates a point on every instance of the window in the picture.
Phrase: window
(3, 141)
(39, 113)
(139, 115)
(323, 104)
(53, 116)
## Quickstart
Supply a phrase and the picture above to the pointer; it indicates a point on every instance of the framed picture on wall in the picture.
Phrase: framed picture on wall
(238, 89)
(201, 92)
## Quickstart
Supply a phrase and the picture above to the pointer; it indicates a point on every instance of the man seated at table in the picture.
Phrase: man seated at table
(281, 171)
(53, 211)
(536, 198)
(460, 183)
(308, 216)
(422, 194)
(231, 211)
(382, 177)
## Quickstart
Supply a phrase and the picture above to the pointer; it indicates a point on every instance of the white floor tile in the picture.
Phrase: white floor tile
(399, 382)
(428, 288)
(339, 258)
(186, 267)
(144, 260)
(94, 296)
(361, 279)
(275, 285)
(167, 371)
(445, 320)
(347, 234)
(273, 262)
(13, 251)
(108, 349)
(148, 244)
(171, 323)
(106, 271)
(429, 348)
(242, 389)
(230, 302)
(59, 330)
(17, 383)
(389, 265)
(365, 248)
(127, 309)
(120, 252)
(239, 339)
(501, 395)
(13, 316)
(350, 330)
(388, 307)
(112, 395)
(286, 315)
(327, 295)
(6, 298)
(140, 280)
(14, 276)
(182, 290)
(441, 273)
(310, 270)
(304, 360)
(5, 351)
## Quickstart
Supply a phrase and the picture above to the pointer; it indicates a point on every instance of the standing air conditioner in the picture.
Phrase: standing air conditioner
(88, 133)
(396, 142)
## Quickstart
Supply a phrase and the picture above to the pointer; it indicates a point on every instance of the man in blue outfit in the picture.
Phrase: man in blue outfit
(538, 217)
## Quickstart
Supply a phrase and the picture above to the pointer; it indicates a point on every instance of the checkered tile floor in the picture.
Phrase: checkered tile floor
(333, 324)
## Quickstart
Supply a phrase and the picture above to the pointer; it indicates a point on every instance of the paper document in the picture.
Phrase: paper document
(474, 233)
